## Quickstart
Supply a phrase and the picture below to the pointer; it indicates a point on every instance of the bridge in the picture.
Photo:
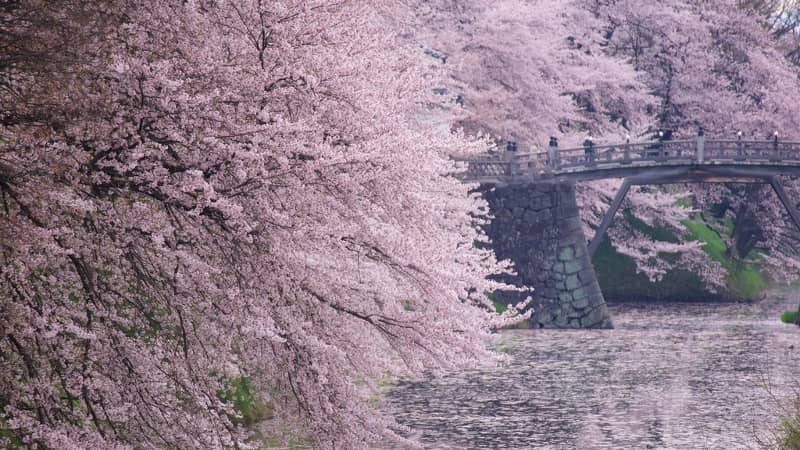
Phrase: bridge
(520, 174)
(655, 162)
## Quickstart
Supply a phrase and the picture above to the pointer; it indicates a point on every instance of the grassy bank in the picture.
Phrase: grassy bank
(619, 281)
(745, 279)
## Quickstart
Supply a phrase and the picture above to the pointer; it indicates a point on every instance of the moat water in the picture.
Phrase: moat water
(678, 376)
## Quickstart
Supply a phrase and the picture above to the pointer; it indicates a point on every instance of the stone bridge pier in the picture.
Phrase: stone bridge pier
(538, 228)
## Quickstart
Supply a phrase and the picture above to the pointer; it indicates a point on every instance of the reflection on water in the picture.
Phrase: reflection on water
(668, 376)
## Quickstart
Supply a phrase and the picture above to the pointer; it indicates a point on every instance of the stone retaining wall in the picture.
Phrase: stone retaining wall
(538, 228)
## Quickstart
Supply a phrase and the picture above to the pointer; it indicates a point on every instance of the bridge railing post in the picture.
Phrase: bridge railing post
(552, 154)
(523, 162)
(626, 154)
(739, 147)
(510, 155)
(776, 153)
(588, 152)
(701, 146)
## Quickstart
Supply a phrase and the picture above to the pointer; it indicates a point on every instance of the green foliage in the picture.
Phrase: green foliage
(499, 306)
(790, 429)
(792, 317)
(746, 281)
(14, 441)
(245, 401)
(385, 384)
(684, 202)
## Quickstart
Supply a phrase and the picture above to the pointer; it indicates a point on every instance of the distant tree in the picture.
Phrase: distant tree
(782, 18)
(194, 193)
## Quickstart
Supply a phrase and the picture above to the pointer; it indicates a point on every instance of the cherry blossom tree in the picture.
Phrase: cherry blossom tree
(199, 192)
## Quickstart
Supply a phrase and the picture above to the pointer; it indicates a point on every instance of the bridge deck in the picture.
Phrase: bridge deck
(680, 161)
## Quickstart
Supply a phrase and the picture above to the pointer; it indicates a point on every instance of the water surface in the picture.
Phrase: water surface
(668, 376)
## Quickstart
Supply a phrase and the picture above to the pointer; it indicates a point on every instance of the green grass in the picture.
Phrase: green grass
(744, 279)
(790, 317)
(712, 243)
(619, 280)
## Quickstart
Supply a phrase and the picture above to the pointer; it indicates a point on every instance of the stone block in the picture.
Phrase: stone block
(549, 292)
(561, 320)
(573, 282)
(566, 254)
(542, 276)
(595, 317)
(572, 267)
(565, 297)
(580, 303)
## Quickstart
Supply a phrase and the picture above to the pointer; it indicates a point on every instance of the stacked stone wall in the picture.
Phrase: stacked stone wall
(538, 228)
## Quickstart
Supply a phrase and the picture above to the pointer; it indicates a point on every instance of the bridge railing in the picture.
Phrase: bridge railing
(493, 165)
(596, 157)
(755, 151)
(629, 153)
